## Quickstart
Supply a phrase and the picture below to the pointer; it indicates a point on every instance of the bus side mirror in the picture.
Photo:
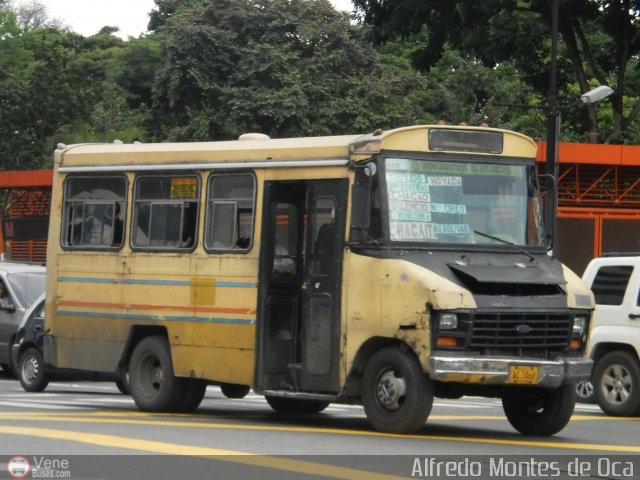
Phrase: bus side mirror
(550, 206)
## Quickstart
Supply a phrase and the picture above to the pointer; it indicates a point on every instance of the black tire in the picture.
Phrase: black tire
(296, 406)
(31, 372)
(153, 386)
(543, 413)
(233, 390)
(616, 379)
(585, 392)
(193, 395)
(396, 394)
(122, 383)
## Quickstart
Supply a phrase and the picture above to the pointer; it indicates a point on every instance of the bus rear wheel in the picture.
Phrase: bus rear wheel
(397, 395)
(544, 413)
(152, 383)
(296, 405)
(193, 395)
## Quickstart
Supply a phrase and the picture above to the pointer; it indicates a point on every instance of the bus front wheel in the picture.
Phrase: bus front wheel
(152, 383)
(397, 395)
(544, 413)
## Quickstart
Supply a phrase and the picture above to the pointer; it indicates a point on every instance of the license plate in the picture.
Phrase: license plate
(523, 375)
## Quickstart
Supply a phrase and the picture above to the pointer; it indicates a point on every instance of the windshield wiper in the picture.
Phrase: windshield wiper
(506, 242)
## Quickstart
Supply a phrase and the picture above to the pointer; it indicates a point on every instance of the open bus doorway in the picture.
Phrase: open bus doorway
(300, 286)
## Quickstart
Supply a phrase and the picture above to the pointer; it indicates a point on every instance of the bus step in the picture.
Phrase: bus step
(305, 396)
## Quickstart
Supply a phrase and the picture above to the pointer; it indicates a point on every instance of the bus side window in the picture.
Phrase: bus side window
(93, 209)
(230, 212)
(165, 214)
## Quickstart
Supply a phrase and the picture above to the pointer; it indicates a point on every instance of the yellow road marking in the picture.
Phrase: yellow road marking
(151, 446)
(93, 418)
(137, 414)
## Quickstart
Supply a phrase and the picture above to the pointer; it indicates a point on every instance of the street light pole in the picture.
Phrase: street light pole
(553, 134)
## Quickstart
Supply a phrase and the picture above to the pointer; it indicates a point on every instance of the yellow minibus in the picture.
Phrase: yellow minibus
(383, 269)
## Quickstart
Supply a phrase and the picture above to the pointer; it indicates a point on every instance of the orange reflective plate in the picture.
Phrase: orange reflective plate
(523, 374)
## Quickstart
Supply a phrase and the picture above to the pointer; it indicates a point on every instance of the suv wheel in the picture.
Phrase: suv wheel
(616, 381)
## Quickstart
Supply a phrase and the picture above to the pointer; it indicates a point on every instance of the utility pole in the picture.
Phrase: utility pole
(553, 134)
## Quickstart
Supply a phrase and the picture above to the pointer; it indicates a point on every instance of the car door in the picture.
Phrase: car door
(9, 322)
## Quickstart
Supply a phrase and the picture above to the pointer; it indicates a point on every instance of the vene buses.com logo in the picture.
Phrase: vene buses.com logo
(18, 467)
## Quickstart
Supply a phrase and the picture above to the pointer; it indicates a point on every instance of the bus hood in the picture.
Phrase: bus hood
(519, 273)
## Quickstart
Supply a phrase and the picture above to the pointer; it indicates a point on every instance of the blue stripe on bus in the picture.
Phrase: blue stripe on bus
(242, 321)
(142, 281)
(224, 283)
(175, 318)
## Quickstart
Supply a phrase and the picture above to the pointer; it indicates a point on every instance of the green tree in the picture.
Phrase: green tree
(462, 89)
(166, 9)
(57, 86)
(285, 68)
(600, 45)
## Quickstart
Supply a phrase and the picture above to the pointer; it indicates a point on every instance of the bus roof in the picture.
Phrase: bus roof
(196, 152)
(262, 151)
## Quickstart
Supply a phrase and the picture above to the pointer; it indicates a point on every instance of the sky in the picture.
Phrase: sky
(87, 17)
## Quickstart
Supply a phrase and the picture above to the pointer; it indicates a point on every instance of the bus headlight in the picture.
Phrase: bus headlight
(579, 326)
(579, 332)
(447, 321)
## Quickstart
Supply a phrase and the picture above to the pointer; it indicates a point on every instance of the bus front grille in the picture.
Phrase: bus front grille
(521, 330)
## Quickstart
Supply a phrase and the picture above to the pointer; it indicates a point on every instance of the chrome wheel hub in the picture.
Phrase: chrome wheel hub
(616, 384)
(391, 390)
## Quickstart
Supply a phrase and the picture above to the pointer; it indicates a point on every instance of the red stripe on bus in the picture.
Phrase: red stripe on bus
(129, 306)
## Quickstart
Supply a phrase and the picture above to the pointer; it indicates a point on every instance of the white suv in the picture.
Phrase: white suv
(614, 342)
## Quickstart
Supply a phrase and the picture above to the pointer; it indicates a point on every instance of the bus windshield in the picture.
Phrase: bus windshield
(462, 202)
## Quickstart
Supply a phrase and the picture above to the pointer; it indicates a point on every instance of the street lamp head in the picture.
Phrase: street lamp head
(597, 94)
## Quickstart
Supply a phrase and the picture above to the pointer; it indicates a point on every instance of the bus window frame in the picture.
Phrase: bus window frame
(210, 202)
(64, 225)
(166, 201)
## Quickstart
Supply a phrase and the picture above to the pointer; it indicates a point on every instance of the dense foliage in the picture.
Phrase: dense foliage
(214, 69)
(600, 44)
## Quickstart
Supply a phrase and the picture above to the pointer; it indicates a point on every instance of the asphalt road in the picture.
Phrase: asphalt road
(101, 434)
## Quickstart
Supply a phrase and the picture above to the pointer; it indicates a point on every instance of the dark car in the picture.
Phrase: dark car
(27, 356)
(20, 285)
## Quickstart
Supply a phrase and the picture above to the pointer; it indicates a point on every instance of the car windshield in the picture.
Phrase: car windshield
(27, 286)
(458, 202)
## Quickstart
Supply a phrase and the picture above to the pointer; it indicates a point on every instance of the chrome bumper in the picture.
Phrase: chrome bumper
(495, 371)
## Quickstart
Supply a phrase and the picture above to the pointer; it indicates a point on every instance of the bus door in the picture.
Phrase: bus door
(300, 285)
